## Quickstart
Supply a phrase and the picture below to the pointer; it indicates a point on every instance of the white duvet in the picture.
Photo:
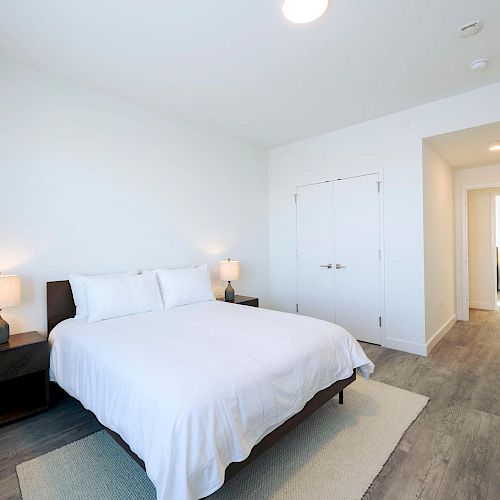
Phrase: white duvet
(194, 388)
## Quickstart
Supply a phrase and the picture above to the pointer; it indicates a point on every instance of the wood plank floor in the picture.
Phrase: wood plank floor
(452, 450)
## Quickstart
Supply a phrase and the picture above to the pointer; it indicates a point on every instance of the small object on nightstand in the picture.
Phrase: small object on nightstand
(24, 376)
(244, 300)
(10, 296)
(229, 271)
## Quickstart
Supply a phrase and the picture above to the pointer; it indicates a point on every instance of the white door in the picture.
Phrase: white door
(315, 276)
(338, 259)
(357, 258)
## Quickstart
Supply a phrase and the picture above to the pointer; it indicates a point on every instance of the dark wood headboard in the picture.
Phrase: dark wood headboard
(60, 303)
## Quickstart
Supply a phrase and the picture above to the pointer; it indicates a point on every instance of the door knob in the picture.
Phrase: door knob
(339, 266)
(328, 266)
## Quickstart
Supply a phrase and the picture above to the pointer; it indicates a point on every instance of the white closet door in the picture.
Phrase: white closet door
(315, 287)
(357, 263)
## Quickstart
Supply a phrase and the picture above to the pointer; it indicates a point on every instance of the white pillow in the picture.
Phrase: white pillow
(78, 290)
(185, 286)
(122, 296)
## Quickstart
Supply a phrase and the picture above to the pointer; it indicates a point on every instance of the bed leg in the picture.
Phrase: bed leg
(341, 397)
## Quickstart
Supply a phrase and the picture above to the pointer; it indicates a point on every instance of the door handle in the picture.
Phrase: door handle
(328, 266)
(339, 266)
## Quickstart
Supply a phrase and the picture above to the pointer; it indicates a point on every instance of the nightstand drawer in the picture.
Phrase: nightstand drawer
(18, 362)
(249, 301)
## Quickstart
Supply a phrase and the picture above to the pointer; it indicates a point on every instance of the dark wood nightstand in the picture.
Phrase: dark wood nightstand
(24, 376)
(244, 300)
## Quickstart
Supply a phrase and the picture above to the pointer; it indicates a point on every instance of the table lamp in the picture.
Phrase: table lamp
(10, 296)
(229, 271)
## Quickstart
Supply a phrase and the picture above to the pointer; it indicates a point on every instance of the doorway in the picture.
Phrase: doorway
(481, 248)
(496, 250)
(471, 164)
(338, 252)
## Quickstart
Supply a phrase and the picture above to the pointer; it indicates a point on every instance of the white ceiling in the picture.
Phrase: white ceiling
(468, 148)
(237, 66)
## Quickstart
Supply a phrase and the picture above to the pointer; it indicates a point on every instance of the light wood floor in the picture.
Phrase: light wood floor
(452, 450)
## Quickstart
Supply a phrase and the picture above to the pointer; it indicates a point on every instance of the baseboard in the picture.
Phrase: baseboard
(488, 306)
(431, 343)
(405, 345)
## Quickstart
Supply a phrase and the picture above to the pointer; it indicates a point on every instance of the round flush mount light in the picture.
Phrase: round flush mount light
(304, 11)
(479, 64)
(494, 146)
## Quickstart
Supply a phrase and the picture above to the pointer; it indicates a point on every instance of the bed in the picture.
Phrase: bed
(197, 392)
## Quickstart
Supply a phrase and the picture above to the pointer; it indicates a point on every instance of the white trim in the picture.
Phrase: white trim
(383, 331)
(431, 343)
(493, 245)
(405, 345)
(463, 314)
(488, 306)
(376, 172)
(462, 287)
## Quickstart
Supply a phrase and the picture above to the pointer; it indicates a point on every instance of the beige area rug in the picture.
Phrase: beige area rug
(335, 454)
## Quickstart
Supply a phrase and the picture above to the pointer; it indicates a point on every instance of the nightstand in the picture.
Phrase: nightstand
(24, 376)
(244, 301)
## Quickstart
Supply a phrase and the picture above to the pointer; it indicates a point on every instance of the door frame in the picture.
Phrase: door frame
(463, 284)
(493, 240)
(380, 175)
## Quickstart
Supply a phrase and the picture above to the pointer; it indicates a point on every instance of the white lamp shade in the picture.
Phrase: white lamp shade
(229, 270)
(10, 291)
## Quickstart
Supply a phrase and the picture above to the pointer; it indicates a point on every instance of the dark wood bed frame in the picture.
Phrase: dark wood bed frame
(60, 306)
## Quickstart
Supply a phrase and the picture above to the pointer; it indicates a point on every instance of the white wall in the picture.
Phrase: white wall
(91, 184)
(439, 245)
(481, 239)
(478, 177)
(391, 145)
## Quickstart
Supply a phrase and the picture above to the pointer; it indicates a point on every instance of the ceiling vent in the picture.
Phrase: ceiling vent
(470, 29)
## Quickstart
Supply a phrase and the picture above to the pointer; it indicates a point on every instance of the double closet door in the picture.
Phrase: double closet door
(338, 254)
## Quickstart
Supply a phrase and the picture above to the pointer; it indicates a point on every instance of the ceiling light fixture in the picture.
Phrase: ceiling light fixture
(479, 64)
(304, 11)
(494, 146)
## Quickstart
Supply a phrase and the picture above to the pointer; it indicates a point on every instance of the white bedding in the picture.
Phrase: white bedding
(194, 388)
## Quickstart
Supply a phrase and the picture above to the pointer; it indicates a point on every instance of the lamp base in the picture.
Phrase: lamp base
(4, 331)
(229, 293)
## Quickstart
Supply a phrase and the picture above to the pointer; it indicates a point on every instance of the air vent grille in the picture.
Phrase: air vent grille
(470, 29)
